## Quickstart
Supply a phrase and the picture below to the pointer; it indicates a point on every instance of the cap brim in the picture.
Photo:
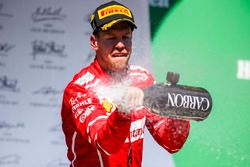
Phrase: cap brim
(114, 22)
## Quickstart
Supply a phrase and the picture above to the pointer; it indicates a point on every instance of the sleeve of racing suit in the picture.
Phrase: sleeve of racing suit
(90, 119)
(170, 133)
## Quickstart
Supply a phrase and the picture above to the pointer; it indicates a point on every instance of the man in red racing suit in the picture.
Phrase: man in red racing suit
(101, 133)
(97, 135)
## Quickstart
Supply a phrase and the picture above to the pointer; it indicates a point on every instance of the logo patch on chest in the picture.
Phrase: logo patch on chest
(109, 107)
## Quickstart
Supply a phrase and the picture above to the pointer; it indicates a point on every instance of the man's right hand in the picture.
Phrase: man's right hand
(131, 98)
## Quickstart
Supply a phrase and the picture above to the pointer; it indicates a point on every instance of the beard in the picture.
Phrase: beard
(119, 64)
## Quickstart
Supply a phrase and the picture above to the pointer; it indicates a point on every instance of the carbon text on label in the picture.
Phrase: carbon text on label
(187, 101)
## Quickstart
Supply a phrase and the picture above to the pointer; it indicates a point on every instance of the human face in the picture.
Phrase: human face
(113, 47)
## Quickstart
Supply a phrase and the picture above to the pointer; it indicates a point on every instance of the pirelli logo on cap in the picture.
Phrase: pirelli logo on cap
(113, 10)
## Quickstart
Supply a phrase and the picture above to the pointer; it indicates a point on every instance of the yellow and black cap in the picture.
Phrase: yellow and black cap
(108, 14)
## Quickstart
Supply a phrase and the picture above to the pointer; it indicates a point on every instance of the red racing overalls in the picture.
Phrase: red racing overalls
(98, 135)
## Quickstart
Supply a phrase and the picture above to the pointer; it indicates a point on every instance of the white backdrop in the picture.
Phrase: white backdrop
(42, 44)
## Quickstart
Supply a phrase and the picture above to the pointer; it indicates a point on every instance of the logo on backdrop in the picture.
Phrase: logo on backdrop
(13, 132)
(7, 87)
(5, 48)
(7, 84)
(46, 55)
(159, 3)
(47, 20)
(45, 14)
(10, 159)
(47, 91)
(46, 96)
(4, 14)
(243, 69)
(51, 49)
(9, 126)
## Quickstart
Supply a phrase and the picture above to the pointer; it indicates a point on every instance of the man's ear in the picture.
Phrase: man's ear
(93, 42)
